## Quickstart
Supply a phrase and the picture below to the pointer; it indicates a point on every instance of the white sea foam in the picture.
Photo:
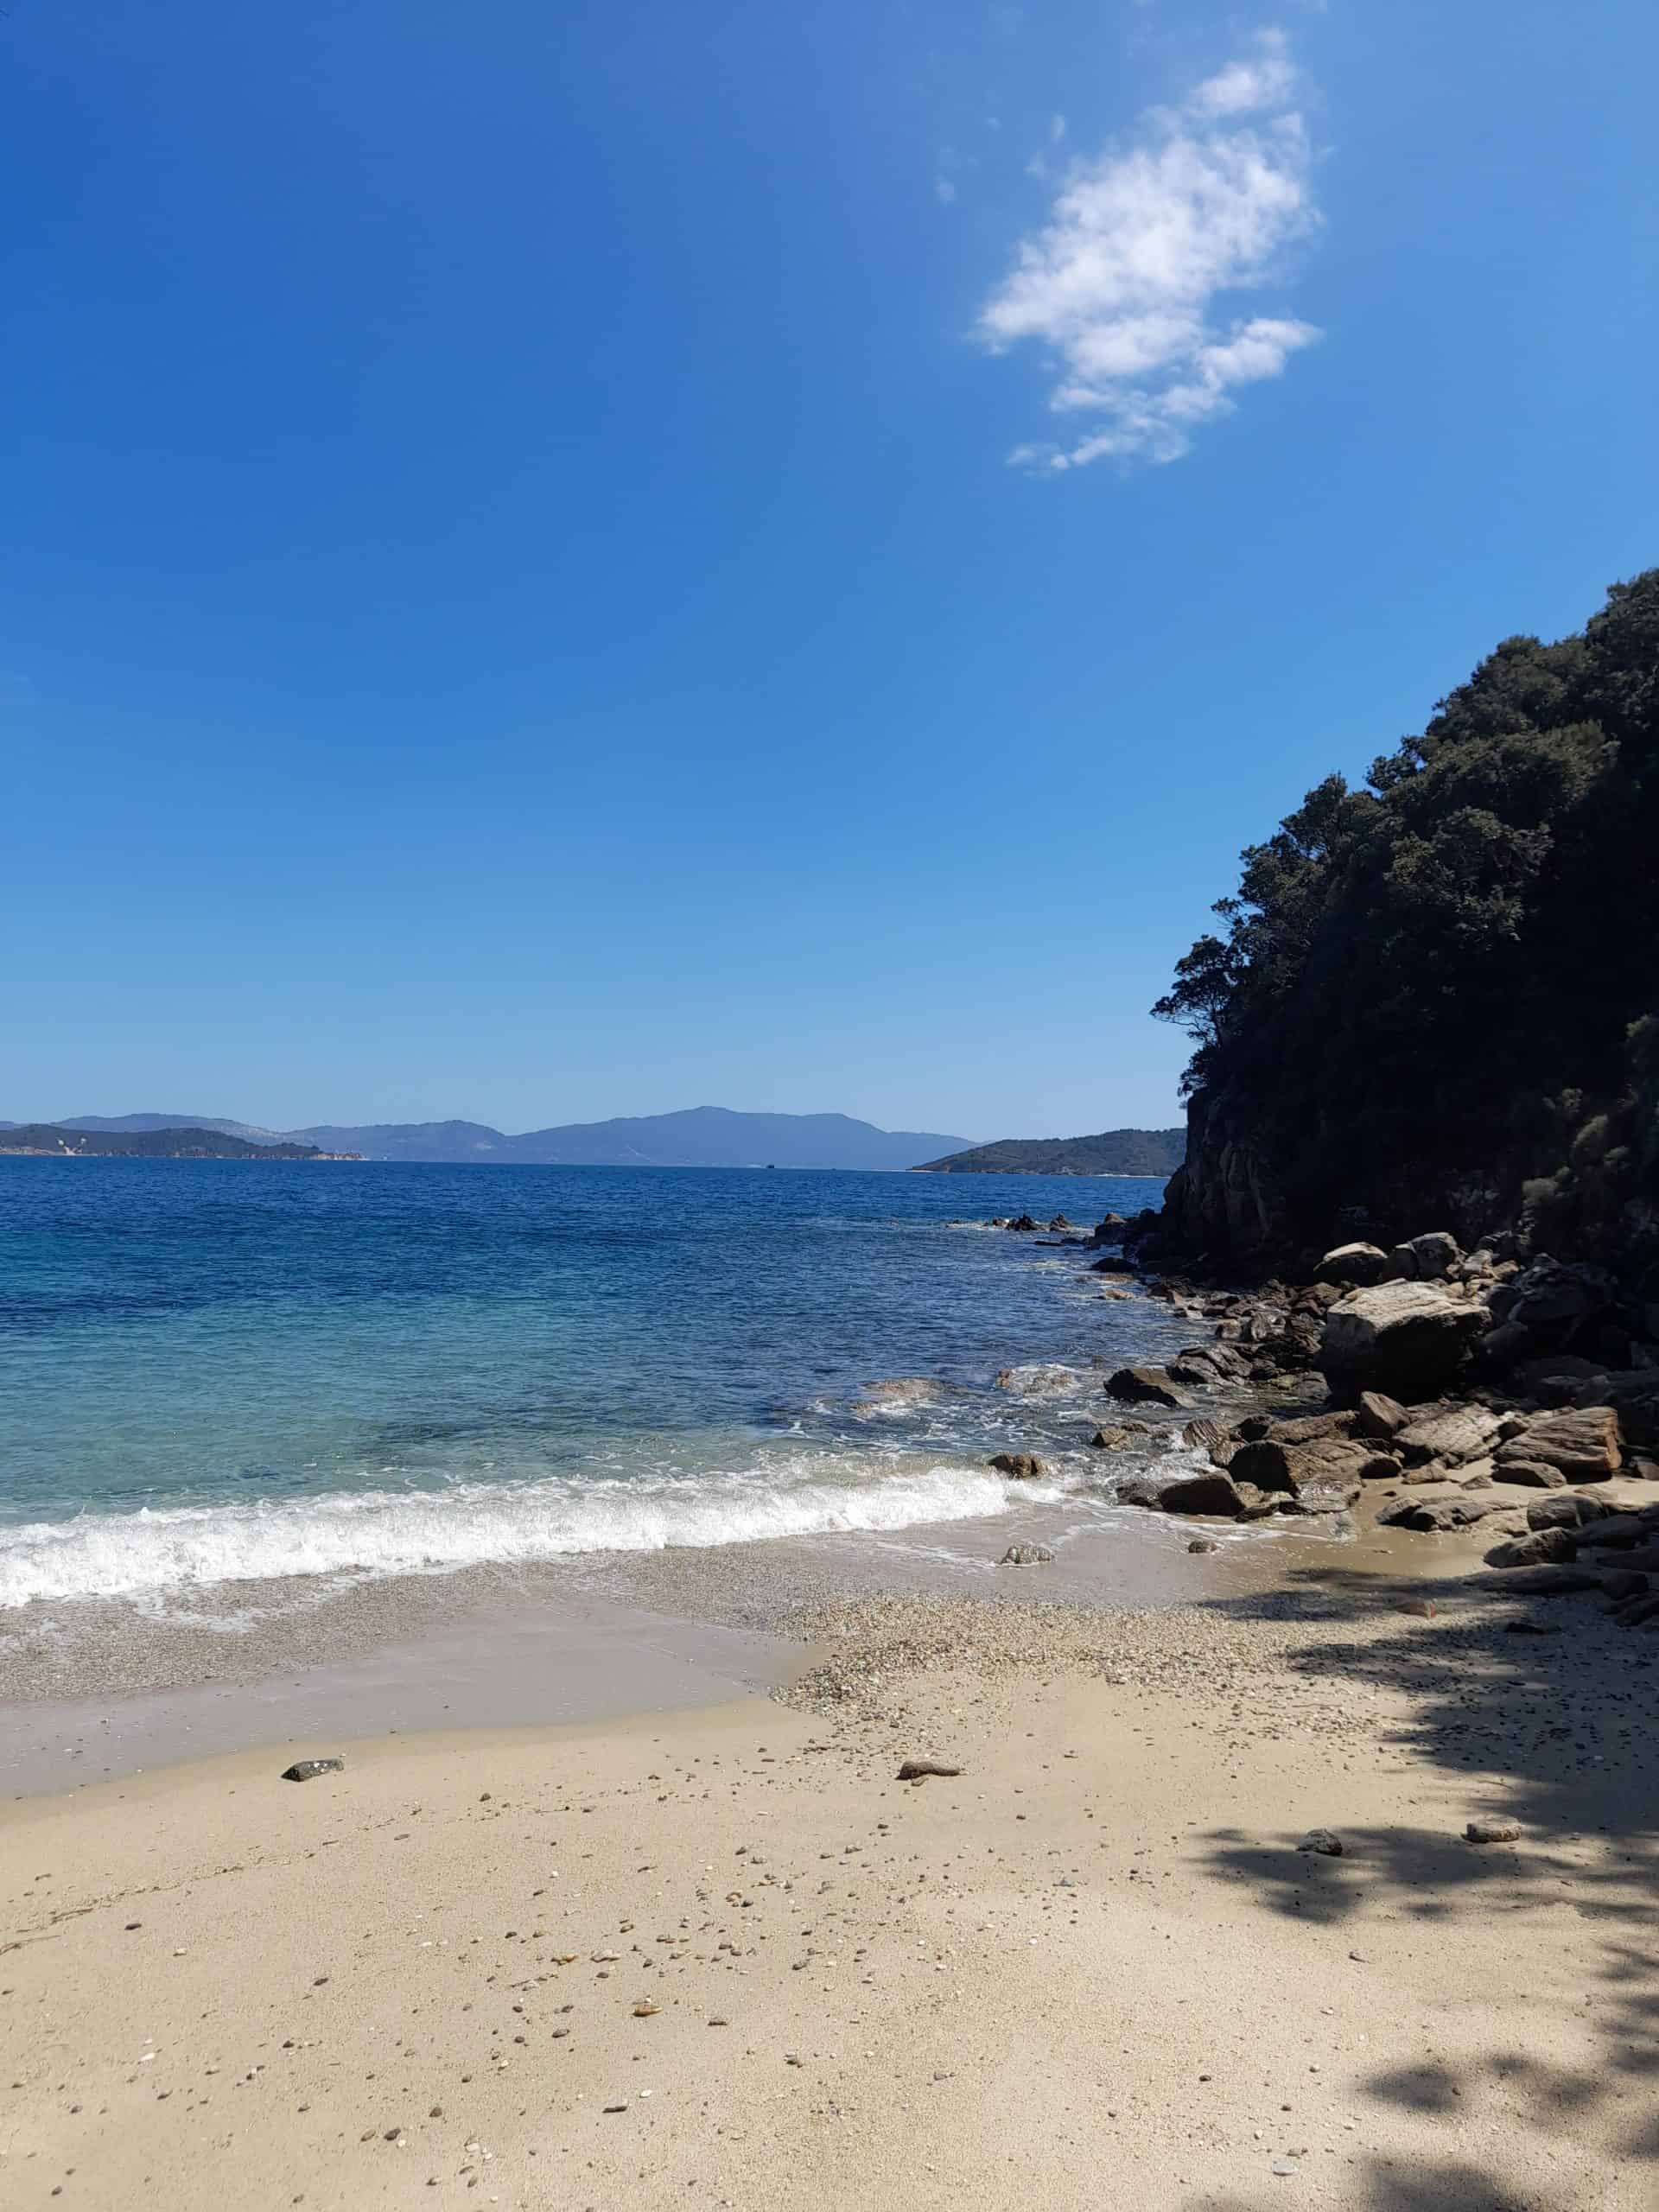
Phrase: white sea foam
(380, 1533)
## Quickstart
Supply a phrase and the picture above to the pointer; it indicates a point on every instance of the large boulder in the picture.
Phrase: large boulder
(1552, 1297)
(1633, 1395)
(1404, 1339)
(1457, 1433)
(1429, 1258)
(1538, 1547)
(1379, 1417)
(1530, 1474)
(1584, 1444)
(1354, 1265)
(1146, 1386)
(1214, 1494)
(1273, 1463)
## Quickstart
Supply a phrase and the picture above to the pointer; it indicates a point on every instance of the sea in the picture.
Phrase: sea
(215, 1373)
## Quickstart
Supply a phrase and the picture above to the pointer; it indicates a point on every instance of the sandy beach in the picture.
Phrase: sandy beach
(723, 1956)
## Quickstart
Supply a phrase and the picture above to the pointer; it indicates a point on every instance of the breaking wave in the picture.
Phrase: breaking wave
(382, 1533)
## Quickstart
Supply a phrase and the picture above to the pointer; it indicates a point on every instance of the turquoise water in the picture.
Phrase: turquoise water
(218, 1371)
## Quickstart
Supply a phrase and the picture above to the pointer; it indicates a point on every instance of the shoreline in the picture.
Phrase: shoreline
(725, 1950)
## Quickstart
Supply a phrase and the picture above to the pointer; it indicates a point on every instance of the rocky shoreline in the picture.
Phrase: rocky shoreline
(1436, 1391)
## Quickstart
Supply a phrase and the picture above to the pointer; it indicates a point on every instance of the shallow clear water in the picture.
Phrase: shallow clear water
(216, 1371)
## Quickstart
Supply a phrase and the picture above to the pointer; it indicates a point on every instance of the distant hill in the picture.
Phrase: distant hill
(702, 1136)
(110, 1125)
(58, 1141)
(1115, 1152)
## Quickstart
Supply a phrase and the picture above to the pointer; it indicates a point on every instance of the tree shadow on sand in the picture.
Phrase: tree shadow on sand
(1557, 1732)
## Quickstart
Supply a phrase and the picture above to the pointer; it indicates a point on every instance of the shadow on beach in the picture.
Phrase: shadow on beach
(1553, 1730)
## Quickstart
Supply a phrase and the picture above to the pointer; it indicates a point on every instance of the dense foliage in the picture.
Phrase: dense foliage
(1114, 1151)
(1437, 999)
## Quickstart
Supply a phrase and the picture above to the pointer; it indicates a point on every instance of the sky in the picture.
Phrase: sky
(576, 560)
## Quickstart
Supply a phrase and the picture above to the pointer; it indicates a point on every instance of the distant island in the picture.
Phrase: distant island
(700, 1137)
(1114, 1151)
(58, 1141)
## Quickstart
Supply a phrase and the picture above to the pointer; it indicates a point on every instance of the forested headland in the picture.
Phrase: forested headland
(1434, 999)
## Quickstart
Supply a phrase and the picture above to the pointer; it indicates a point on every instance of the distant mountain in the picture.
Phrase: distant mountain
(57, 1140)
(1115, 1152)
(143, 1124)
(702, 1136)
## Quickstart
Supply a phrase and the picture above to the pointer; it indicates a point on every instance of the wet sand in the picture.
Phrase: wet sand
(126, 1688)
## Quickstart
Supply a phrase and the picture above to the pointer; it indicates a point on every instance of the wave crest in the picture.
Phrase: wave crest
(383, 1532)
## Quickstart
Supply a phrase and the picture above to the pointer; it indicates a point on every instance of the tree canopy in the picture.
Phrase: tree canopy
(1438, 994)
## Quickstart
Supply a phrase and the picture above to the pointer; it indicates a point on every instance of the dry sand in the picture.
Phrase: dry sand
(725, 1958)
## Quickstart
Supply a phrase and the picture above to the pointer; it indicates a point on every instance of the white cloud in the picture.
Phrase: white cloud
(1124, 283)
(945, 190)
(1266, 80)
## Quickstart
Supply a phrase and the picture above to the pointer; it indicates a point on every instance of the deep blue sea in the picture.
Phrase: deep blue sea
(218, 1371)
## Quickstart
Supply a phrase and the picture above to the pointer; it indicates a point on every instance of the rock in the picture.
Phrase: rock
(1548, 1376)
(899, 1394)
(1431, 1258)
(1148, 1386)
(1633, 1395)
(1582, 1443)
(1492, 1832)
(1532, 1474)
(1442, 1506)
(1553, 1295)
(1537, 1582)
(1204, 1544)
(309, 1769)
(923, 1769)
(1571, 1510)
(1357, 1266)
(1267, 1465)
(1109, 1229)
(1380, 1418)
(1327, 1464)
(1112, 1265)
(1538, 1547)
(1322, 1840)
(1217, 1494)
(1207, 1366)
(1140, 1490)
(1024, 1223)
(1621, 1582)
(1312, 1428)
(1620, 1532)
(1021, 1466)
(1460, 1433)
(1026, 1555)
(1111, 1440)
(1059, 1222)
(1322, 1498)
(1501, 1347)
(1210, 1438)
(1403, 1339)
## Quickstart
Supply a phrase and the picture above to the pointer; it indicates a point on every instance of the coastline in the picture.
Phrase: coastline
(619, 1881)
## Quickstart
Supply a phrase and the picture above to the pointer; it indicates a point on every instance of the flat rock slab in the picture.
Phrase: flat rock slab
(1445, 1505)
(1584, 1444)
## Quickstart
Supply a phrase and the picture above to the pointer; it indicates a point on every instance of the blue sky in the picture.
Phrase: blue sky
(576, 560)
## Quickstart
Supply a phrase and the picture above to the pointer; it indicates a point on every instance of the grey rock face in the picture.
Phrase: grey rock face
(1403, 1339)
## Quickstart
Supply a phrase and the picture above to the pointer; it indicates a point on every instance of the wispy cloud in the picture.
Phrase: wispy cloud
(1124, 283)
